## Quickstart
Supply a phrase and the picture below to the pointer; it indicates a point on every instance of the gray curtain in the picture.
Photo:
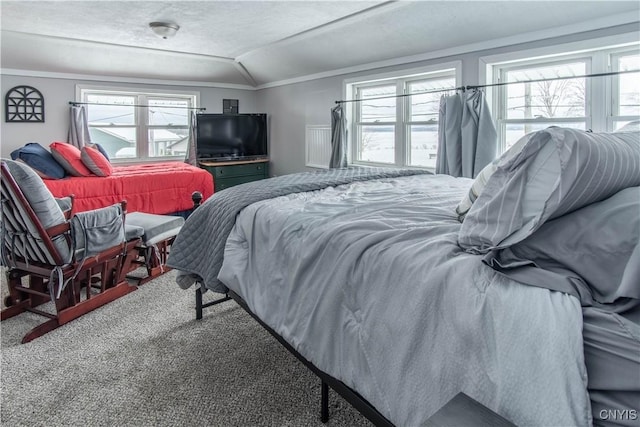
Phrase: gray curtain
(79, 127)
(338, 138)
(467, 138)
(190, 156)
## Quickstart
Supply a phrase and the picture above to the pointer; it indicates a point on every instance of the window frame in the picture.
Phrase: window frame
(600, 93)
(141, 115)
(614, 112)
(500, 102)
(402, 122)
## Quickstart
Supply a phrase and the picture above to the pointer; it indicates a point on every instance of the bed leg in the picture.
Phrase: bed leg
(324, 409)
(198, 303)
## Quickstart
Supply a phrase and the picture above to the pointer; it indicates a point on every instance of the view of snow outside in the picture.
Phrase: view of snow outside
(563, 99)
(114, 125)
(376, 129)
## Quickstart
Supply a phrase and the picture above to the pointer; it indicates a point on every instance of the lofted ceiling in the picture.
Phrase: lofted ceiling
(262, 43)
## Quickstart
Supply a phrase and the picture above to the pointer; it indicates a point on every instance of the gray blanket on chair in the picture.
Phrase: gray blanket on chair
(199, 247)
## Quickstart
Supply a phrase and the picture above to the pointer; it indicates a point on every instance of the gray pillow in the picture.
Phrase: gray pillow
(592, 253)
(41, 201)
(558, 171)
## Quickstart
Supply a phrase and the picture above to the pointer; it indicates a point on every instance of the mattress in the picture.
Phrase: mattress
(157, 188)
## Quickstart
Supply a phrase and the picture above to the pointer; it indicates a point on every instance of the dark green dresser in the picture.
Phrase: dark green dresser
(228, 174)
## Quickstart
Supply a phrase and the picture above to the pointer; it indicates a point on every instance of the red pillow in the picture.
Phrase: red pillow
(69, 158)
(95, 161)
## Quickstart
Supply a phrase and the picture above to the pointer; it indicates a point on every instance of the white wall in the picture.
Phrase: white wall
(58, 92)
(292, 107)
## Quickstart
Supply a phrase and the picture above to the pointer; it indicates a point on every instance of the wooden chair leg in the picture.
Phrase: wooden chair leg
(19, 300)
(109, 271)
(40, 330)
(155, 259)
(73, 312)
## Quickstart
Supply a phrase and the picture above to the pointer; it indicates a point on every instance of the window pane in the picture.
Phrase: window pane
(631, 125)
(168, 112)
(629, 87)
(517, 131)
(121, 112)
(376, 144)
(424, 145)
(548, 99)
(119, 143)
(425, 107)
(168, 142)
(377, 110)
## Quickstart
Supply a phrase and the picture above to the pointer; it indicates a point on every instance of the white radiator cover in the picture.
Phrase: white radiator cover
(318, 146)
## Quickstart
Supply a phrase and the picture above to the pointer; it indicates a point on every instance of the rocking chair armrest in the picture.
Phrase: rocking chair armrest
(58, 229)
(65, 227)
(66, 204)
(98, 230)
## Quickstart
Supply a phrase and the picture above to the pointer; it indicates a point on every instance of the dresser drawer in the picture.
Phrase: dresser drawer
(222, 183)
(238, 170)
(227, 175)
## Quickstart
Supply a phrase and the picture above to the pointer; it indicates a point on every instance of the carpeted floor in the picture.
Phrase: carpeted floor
(143, 360)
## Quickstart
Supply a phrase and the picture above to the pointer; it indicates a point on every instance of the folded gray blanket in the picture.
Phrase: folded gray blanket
(199, 247)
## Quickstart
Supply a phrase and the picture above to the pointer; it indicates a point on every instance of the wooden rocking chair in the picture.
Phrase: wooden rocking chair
(44, 259)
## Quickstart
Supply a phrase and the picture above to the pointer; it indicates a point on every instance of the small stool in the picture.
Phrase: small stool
(159, 233)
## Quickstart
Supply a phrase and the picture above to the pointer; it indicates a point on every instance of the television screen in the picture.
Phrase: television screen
(231, 136)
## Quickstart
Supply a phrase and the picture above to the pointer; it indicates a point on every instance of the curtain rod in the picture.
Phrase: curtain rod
(490, 85)
(136, 105)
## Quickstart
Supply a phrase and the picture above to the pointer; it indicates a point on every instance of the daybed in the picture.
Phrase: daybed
(158, 188)
(531, 305)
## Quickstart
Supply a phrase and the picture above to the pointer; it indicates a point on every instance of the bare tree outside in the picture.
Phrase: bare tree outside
(564, 96)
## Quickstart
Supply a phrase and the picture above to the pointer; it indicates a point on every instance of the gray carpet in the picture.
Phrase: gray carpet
(143, 360)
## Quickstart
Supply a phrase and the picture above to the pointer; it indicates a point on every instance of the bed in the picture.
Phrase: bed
(157, 188)
(370, 277)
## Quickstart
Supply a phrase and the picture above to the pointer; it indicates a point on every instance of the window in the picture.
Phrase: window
(391, 129)
(140, 126)
(626, 89)
(601, 104)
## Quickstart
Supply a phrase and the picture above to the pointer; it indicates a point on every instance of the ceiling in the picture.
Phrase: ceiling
(262, 43)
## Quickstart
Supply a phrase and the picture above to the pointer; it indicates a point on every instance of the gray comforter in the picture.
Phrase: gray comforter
(198, 250)
(367, 281)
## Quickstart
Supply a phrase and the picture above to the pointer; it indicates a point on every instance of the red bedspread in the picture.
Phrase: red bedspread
(159, 188)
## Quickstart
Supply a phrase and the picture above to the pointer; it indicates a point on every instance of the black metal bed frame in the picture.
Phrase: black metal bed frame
(350, 395)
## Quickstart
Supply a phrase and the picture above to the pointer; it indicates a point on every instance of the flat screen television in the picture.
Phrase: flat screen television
(222, 137)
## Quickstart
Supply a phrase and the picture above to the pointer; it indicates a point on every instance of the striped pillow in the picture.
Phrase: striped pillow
(558, 171)
(95, 161)
(483, 177)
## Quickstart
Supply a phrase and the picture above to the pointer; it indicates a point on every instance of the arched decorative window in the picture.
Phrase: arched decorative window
(24, 104)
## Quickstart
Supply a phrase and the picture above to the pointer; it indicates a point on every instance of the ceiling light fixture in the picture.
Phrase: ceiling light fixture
(164, 29)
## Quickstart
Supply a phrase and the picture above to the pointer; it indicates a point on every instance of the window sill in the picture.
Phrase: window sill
(136, 161)
(387, 165)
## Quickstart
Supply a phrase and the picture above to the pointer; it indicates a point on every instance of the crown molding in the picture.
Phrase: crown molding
(119, 79)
